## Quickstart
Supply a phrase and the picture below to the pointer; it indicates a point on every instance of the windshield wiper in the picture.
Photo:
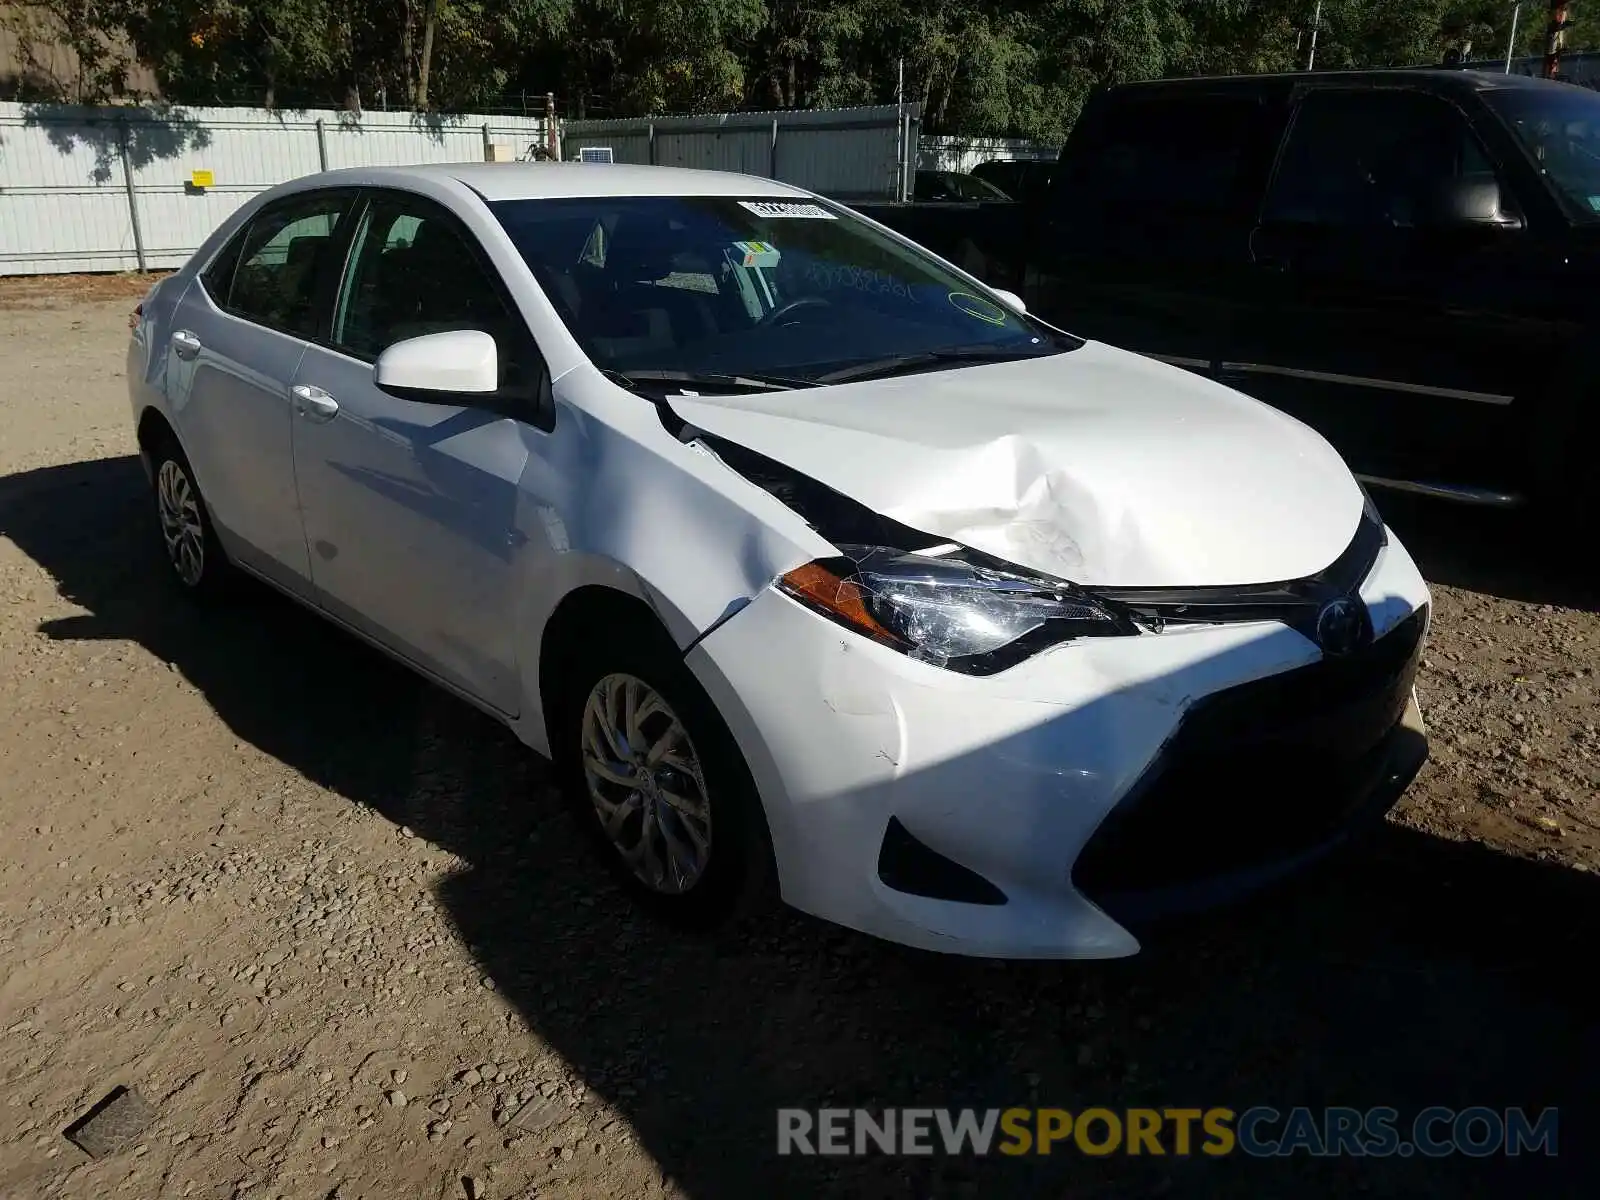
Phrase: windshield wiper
(879, 368)
(747, 383)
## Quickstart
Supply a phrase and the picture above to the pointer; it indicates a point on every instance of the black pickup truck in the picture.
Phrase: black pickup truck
(1406, 260)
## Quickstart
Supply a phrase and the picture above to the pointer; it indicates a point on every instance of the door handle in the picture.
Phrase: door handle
(184, 344)
(313, 403)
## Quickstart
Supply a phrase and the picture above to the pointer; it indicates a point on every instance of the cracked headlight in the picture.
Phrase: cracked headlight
(942, 608)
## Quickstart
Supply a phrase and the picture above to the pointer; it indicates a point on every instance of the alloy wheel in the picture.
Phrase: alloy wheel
(646, 784)
(179, 506)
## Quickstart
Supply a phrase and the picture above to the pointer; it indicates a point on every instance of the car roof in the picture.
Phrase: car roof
(552, 180)
(1442, 78)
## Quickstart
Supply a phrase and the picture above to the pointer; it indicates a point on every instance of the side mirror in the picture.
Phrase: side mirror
(1461, 204)
(438, 368)
(1010, 299)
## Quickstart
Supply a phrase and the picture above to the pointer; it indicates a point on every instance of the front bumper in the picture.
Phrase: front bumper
(1076, 786)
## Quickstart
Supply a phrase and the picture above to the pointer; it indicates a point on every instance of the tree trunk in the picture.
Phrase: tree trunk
(790, 96)
(270, 98)
(430, 20)
(408, 56)
(1555, 39)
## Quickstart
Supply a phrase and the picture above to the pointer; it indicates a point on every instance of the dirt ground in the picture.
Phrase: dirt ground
(335, 928)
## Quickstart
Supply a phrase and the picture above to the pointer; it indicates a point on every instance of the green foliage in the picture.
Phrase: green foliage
(979, 67)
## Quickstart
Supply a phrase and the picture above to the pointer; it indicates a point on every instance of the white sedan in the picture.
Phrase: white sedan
(814, 564)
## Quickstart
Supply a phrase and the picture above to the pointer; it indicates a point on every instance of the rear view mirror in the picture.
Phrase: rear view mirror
(1010, 299)
(438, 366)
(1469, 204)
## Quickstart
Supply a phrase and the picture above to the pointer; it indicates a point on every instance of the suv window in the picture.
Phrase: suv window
(271, 272)
(1163, 155)
(413, 272)
(1370, 158)
(953, 185)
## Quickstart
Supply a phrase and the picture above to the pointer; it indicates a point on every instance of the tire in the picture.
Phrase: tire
(734, 880)
(195, 559)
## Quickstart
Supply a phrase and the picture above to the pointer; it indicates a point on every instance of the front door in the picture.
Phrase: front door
(1145, 239)
(1391, 335)
(410, 508)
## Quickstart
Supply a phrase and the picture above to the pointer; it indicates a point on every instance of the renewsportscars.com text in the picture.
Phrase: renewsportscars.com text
(1260, 1131)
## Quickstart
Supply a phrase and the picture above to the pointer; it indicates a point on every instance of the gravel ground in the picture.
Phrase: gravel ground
(336, 929)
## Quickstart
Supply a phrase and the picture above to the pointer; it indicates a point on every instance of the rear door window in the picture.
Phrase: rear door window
(286, 254)
(1171, 155)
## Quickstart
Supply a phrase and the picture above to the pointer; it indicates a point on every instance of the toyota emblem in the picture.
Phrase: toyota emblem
(1341, 626)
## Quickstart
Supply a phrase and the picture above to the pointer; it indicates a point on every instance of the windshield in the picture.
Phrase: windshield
(787, 290)
(1559, 127)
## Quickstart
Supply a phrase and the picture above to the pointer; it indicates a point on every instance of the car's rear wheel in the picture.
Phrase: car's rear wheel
(189, 540)
(660, 784)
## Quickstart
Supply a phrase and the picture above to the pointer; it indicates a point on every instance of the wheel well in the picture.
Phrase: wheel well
(153, 428)
(585, 615)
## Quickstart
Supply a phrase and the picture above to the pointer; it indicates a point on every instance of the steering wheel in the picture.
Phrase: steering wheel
(784, 310)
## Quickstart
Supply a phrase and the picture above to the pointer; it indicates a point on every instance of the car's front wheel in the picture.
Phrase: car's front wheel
(188, 538)
(661, 785)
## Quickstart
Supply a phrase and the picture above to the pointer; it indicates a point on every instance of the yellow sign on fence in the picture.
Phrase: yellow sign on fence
(201, 179)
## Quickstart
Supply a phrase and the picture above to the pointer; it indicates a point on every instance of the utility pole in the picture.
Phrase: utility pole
(1555, 36)
(1316, 23)
(1511, 43)
(902, 140)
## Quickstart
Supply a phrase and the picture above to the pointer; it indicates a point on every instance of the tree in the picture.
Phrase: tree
(977, 67)
(91, 30)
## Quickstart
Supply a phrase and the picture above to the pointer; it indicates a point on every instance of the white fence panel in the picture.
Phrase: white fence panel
(86, 189)
(851, 154)
(65, 198)
(744, 151)
(945, 152)
(626, 147)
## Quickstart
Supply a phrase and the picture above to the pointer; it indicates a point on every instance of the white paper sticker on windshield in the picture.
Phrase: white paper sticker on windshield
(783, 208)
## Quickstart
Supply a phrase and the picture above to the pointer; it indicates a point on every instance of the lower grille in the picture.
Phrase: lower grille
(1257, 773)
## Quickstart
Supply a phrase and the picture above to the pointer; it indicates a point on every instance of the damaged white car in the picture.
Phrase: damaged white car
(812, 562)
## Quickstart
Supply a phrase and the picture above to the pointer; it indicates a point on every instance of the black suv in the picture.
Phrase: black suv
(1406, 260)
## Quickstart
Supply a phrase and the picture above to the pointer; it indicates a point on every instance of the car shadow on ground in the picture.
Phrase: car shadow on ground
(1411, 972)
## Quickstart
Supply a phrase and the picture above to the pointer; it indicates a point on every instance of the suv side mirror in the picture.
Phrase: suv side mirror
(1460, 204)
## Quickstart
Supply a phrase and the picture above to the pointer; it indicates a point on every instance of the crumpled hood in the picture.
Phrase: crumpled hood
(1097, 465)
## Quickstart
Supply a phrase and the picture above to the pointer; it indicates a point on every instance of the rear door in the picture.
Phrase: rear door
(411, 508)
(238, 336)
(1395, 340)
(1145, 238)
